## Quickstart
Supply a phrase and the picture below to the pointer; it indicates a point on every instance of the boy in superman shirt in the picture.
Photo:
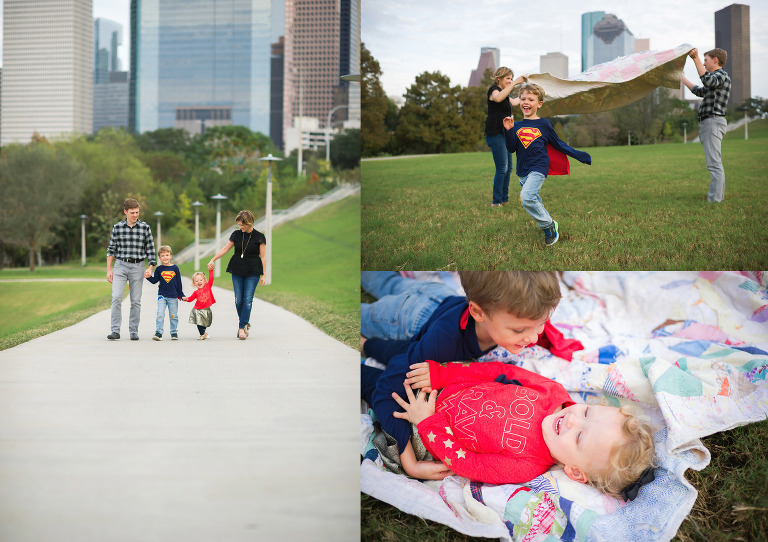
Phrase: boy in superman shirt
(168, 293)
(499, 423)
(504, 308)
(540, 152)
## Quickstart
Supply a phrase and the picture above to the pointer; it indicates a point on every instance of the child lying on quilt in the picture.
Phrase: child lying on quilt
(499, 423)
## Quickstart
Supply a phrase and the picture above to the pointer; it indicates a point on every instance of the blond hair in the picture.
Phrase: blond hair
(164, 248)
(198, 273)
(526, 294)
(501, 73)
(628, 459)
(246, 217)
(533, 88)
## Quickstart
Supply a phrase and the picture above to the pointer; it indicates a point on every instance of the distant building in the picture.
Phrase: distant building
(610, 39)
(110, 102)
(732, 34)
(555, 64)
(47, 69)
(200, 64)
(489, 60)
(276, 93)
(107, 37)
(588, 22)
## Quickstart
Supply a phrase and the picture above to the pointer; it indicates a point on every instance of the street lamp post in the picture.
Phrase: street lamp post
(196, 205)
(268, 234)
(218, 197)
(82, 239)
(159, 214)
(685, 132)
(328, 132)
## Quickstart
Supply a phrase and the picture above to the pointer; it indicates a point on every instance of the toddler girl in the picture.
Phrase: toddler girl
(203, 296)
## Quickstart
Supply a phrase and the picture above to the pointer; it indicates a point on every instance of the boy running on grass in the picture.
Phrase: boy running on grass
(540, 152)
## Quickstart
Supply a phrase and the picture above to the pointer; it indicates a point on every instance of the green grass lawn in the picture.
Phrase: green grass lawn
(315, 275)
(641, 207)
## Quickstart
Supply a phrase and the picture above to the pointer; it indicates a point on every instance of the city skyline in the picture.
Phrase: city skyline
(407, 40)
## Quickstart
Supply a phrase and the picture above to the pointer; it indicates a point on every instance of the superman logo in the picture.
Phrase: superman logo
(168, 275)
(528, 135)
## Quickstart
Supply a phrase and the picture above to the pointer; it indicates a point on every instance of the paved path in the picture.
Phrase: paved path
(211, 441)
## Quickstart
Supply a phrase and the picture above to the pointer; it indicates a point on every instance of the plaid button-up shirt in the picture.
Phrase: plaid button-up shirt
(134, 243)
(715, 90)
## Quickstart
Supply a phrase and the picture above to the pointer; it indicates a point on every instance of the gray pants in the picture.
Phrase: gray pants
(133, 274)
(711, 132)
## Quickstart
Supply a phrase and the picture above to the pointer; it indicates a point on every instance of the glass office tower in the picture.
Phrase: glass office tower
(200, 63)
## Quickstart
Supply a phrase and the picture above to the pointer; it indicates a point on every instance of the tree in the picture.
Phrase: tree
(645, 117)
(40, 185)
(429, 120)
(345, 150)
(595, 129)
(374, 105)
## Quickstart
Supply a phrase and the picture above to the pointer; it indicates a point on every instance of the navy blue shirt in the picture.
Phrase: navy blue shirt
(441, 339)
(529, 138)
(169, 278)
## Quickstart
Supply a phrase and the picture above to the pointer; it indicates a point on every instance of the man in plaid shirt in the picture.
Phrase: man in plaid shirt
(130, 243)
(715, 90)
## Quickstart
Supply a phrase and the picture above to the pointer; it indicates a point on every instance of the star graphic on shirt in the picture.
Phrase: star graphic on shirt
(431, 436)
(461, 453)
(449, 430)
(448, 443)
(447, 461)
(465, 364)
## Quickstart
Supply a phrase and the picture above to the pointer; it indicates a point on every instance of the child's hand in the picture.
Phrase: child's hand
(429, 470)
(416, 409)
(211, 264)
(509, 123)
(184, 299)
(418, 377)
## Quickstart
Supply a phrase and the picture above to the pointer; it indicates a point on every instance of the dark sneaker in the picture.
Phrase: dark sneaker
(113, 336)
(156, 337)
(134, 336)
(550, 234)
(174, 337)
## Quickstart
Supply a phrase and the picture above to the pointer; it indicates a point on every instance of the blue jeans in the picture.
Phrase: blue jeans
(530, 199)
(404, 305)
(711, 132)
(173, 314)
(244, 288)
(502, 158)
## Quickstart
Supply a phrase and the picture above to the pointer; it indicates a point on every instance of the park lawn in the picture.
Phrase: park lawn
(640, 207)
(316, 275)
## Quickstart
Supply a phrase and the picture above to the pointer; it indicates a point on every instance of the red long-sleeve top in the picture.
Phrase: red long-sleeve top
(203, 297)
(488, 431)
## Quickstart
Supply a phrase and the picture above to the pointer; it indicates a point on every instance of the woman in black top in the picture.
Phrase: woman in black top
(246, 266)
(499, 107)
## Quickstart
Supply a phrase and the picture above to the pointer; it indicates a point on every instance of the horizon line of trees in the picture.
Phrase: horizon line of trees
(46, 185)
(438, 117)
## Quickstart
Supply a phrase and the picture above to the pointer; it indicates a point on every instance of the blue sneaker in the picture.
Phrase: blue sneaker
(550, 234)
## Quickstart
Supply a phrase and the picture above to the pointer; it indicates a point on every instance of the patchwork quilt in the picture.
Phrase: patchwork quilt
(688, 348)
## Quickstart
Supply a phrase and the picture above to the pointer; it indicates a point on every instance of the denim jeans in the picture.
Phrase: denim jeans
(244, 288)
(711, 132)
(502, 158)
(133, 274)
(173, 314)
(530, 199)
(404, 305)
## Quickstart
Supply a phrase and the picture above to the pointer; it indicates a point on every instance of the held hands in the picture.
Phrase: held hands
(509, 123)
(416, 409)
(211, 265)
(419, 376)
(147, 273)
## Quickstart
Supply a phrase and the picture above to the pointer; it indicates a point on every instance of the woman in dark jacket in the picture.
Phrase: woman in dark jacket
(500, 106)
(246, 266)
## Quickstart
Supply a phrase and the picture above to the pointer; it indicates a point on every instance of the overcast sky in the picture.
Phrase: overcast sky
(410, 37)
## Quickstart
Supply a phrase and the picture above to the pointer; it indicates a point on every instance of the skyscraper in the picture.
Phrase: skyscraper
(555, 64)
(198, 63)
(313, 62)
(489, 60)
(110, 85)
(732, 34)
(47, 68)
(609, 39)
(107, 37)
(588, 21)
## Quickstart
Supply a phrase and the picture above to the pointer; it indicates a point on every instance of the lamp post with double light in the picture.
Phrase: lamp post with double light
(159, 214)
(82, 239)
(196, 205)
(268, 215)
(218, 197)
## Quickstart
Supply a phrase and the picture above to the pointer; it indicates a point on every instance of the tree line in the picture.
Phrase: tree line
(45, 186)
(437, 117)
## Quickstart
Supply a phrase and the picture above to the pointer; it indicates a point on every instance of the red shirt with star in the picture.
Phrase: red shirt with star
(488, 431)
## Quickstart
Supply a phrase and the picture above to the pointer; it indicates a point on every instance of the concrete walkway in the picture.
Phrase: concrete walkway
(219, 440)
